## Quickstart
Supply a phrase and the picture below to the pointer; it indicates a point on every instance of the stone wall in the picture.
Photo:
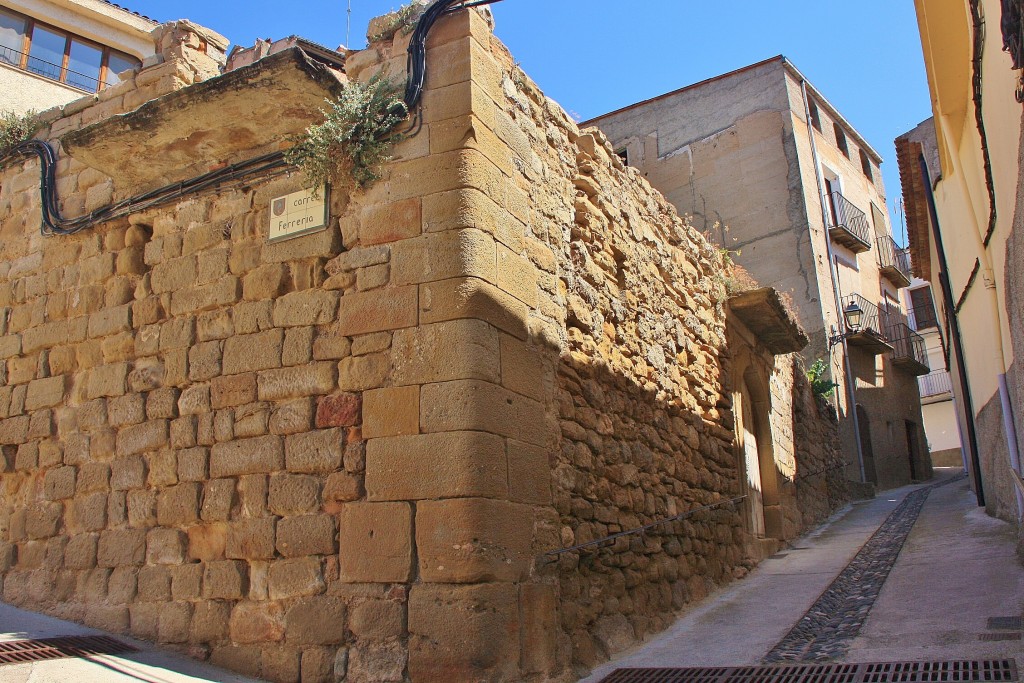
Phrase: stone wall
(821, 483)
(346, 456)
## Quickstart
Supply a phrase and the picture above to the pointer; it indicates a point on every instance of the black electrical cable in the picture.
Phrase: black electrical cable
(53, 223)
(416, 61)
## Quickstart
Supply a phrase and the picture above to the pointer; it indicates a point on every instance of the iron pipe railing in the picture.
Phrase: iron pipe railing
(846, 215)
(49, 70)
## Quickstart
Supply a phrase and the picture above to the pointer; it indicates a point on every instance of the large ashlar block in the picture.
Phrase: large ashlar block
(442, 172)
(528, 369)
(473, 540)
(529, 473)
(460, 25)
(455, 349)
(440, 256)
(462, 298)
(390, 222)
(391, 412)
(378, 310)
(463, 633)
(470, 208)
(444, 465)
(375, 541)
(482, 406)
(539, 610)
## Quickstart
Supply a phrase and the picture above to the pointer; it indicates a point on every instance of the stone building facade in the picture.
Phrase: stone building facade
(771, 171)
(370, 453)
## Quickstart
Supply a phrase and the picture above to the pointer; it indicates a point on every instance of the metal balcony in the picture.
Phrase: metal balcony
(893, 262)
(850, 226)
(935, 384)
(870, 334)
(54, 72)
(909, 351)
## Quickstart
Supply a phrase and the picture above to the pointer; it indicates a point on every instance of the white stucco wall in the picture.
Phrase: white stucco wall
(24, 92)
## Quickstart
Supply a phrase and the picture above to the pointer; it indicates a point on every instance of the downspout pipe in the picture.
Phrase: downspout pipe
(849, 379)
(954, 326)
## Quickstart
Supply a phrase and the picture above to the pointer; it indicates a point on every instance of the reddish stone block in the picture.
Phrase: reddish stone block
(340, 410)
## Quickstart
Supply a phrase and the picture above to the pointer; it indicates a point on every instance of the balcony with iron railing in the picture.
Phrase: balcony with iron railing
(850, 226)
(894, 262)
(935, 385)
(53, 72)
(870, 333)
(909, 350)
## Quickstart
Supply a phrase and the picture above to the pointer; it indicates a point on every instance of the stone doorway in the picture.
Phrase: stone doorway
(864, 423)
(760, 477)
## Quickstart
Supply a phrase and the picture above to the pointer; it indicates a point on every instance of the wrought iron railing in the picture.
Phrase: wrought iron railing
(907, 344)
(46, 69)
(871, 319)
(935, 383)
(848, 216)
(890, 255)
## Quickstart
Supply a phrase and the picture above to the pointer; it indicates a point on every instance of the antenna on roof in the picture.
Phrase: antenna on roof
(348, 25)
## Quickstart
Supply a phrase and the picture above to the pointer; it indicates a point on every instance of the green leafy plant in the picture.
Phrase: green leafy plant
(403, 19)
(820, 385)
(356, 135)
(16, 128)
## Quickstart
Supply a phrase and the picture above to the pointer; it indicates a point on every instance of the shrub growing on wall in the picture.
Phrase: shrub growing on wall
(15, 129)
(356, 135)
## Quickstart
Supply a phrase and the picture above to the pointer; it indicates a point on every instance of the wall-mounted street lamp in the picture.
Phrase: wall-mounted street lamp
(853, 315)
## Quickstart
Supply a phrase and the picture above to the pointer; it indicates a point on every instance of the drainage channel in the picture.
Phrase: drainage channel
(27, 651)
(958, 671)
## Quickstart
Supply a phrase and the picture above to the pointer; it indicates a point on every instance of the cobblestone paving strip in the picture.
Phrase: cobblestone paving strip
(828, 628)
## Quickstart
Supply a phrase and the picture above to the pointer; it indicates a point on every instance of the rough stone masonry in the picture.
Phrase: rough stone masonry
(345, 457)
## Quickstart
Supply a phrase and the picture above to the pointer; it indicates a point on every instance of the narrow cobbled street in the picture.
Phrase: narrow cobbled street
(919, 574)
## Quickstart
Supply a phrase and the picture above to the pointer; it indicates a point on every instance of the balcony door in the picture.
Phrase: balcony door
(831, 188)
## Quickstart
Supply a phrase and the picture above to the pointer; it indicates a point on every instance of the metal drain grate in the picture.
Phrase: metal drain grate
(24, 651)
(961, 671)
(995, 637)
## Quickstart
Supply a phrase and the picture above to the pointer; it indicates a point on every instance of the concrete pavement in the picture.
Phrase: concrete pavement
(957, 568)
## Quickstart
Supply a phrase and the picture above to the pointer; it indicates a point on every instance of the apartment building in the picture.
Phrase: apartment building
(937, 401)
(961, 180)
(769, 169)
(55, 51)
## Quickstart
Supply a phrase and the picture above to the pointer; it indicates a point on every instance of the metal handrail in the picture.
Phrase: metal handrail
(850, 217)
(642, 529)
(890, 255)
(935, 383)
(46, 69)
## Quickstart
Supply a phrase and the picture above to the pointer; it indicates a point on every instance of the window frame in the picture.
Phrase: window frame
(31, 24)
(927, 306)
(841, 141)
(865, 166)
(814, 115)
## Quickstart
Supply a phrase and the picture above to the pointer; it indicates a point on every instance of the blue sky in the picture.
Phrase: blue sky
(594, 56)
